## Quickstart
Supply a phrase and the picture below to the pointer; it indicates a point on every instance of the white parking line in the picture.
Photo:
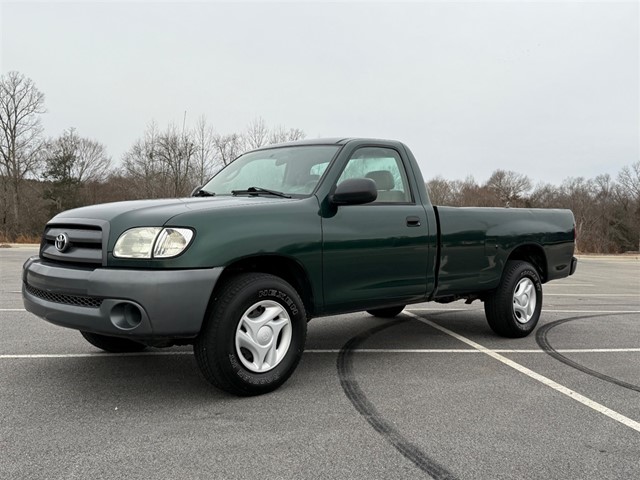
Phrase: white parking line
(609, 312)
(89, 355)
(321, 350)
(472, 309)
(614, 295)
(470, 350)
(618, 417)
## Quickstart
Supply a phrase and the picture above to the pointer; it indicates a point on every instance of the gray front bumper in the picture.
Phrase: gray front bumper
(166, 303)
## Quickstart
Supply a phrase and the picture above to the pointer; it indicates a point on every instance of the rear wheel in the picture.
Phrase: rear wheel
(513, 310)
(113, 344)
(254, 335)
(389, 312)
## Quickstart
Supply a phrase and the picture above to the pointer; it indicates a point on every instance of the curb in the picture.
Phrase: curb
(19, 245)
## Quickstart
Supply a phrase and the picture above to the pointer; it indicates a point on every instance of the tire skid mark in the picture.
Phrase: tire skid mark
(543, 342)
(369, 412)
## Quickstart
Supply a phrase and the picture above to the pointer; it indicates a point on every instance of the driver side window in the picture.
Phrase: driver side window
(383, 166)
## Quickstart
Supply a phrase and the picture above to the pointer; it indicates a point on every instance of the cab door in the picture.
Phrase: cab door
(376, 254)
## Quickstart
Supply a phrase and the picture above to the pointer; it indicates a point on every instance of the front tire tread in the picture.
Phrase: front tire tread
(212, 366)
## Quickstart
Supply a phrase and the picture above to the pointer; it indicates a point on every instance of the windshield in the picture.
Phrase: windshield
(293, 171)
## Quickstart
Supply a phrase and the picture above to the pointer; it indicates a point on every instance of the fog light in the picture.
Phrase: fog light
(126, 316)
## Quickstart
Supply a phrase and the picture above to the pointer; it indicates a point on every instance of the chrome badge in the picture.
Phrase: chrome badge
(62, 242)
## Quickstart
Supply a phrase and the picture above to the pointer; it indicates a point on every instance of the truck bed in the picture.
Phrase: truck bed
(475, 243)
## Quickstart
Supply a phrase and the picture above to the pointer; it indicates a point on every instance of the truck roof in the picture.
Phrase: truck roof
(327, 141)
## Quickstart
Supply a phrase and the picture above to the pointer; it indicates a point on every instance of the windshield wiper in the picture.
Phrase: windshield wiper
(258, 191)
(204, 193)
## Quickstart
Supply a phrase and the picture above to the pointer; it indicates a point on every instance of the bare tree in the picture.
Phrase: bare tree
(88, 159)
(161, 164)
(71, 163)
(629, 198)
(546, 196)
(508, 186)
(206, 160)
(256, 134)
(93, 163)
(228, 147)
(465, 192)
(629, 179)
(176, 151)
(605, 214)
(141, 163)
(578, 196)
(281, 135)
(440, 191)
(21, 105)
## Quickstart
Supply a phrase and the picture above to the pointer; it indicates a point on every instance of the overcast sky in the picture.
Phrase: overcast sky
(547, 89)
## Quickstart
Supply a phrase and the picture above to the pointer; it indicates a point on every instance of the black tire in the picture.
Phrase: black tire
(505, 319)
(389, 312)
(113, 344)
(224, 365)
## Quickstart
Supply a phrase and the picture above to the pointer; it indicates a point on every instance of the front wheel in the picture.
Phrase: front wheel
(254, 335)
(513, 309)
(113, 344)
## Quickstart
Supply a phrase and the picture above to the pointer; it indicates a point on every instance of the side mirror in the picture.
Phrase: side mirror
(195, 191)
(355, 191)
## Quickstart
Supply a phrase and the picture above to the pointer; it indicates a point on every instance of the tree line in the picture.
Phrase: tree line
(41, 176)
(606, 210)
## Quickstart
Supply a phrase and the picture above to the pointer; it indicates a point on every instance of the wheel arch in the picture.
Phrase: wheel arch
(286, 268)
(535, 255)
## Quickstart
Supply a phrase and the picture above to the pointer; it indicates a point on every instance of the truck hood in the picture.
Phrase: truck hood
(143, 213)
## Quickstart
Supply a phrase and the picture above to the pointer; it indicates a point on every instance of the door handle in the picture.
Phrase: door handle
(413, 221)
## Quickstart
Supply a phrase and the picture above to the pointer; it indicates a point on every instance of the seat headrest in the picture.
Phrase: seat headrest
(383, 179)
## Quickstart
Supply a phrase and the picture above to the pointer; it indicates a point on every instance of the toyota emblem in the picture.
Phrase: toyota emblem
(62, 242)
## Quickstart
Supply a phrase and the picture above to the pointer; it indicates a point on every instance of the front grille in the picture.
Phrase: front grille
(76, 300)
(83, 245)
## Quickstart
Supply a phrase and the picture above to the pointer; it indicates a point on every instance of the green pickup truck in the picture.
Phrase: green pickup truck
(283, 234)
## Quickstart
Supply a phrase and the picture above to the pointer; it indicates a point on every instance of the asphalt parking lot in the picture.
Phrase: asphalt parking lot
(430, 393)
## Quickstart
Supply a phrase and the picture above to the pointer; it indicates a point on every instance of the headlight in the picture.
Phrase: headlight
(152, 242)
(171, 242)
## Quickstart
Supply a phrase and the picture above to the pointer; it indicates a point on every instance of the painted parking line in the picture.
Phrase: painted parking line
(618, 417)
(324, 350)
(613, 295)
(90, 355)
(471, 350)
(450, 310)
(609, 312)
